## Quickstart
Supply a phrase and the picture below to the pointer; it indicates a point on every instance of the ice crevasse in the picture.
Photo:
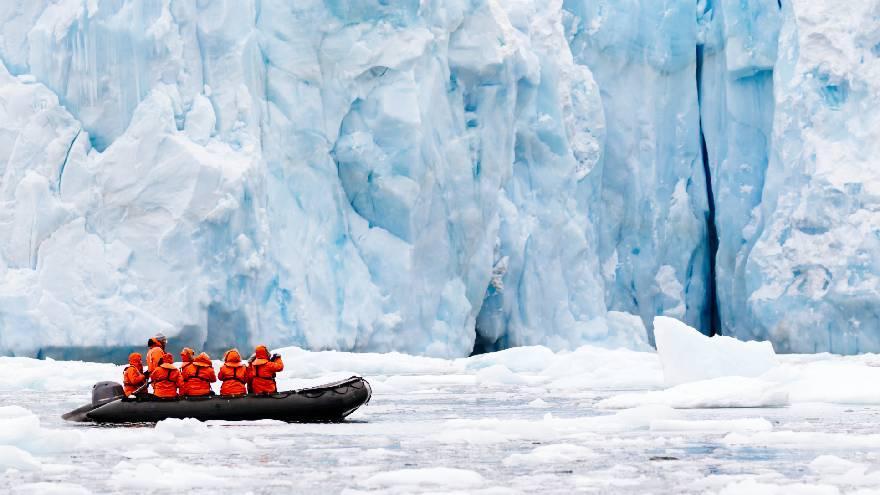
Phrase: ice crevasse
(435, 177)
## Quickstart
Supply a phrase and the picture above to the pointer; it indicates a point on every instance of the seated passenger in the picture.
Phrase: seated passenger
(261, 373)
(233, 374)
(197, 377)
(157, 350)
(186, 357)
(165, 378)
(133, 376)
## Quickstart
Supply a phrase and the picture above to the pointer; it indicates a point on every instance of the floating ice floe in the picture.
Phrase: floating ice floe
(752, 487)
(687, 355)
(730, 391)
(51, 488)
(439, 477)
(14, 458)
(21, 429)
(712, 372)
(552, 454)
(539, 404)
(707, 372)
(712, 425)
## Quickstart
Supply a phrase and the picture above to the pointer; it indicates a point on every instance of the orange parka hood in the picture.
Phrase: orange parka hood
(168, 361)
(261, 354)
(232, 358)
(203, 360)
(135, 359)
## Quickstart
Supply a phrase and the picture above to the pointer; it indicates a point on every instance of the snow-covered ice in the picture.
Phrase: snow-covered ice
(719, 392)
(517, 421)
(410, 480)
(687, 355)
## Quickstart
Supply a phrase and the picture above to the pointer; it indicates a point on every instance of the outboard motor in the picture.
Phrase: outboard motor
(104, 392)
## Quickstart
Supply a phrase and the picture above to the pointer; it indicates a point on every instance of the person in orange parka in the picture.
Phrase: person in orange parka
(233, 374)
(261, 372)
(157, 350)
(197, 376)
(165, 378)
(133, 376)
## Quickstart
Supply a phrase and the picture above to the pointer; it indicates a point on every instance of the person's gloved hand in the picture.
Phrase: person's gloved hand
(147, 373)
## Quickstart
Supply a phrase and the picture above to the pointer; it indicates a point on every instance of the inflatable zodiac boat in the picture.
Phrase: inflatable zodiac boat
(325, 403)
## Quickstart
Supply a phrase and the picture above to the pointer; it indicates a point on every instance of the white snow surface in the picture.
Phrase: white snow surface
(425, 177)
(434, 426)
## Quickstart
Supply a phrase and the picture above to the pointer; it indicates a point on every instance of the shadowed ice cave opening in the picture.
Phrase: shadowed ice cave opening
(481, 346)
(484, 344)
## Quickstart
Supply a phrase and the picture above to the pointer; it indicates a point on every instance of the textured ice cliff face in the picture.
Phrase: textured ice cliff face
(652, 221)
(812, 277)
(787, 99)
(785, 115)
(737, 53)
(325, 174)
(545, 271)
(435, 177)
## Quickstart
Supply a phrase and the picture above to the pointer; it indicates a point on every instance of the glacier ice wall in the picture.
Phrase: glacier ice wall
(653, 244)
(738, 49)
(435, 177)
(330, 174)
(811, 279)
(788, 136)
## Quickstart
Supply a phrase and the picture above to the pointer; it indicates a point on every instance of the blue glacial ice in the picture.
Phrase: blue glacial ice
(653, 243)
(319, 174)
(811, 281)
(739, 47)
(434, 177)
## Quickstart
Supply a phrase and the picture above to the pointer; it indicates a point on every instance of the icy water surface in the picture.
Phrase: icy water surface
(521, 421)
(492, 438)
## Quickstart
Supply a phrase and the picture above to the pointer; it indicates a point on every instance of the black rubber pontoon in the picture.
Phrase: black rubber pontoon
(331, 402)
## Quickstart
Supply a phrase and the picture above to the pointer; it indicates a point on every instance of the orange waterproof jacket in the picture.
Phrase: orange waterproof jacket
(133, 376)
(165, 378)
(261, 373)
(196, 377)
(154, 355)
(233, 374)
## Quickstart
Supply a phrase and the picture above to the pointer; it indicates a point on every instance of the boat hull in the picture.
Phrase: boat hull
(331, 402)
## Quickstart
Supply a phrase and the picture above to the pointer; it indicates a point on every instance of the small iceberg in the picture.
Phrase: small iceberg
(686, 355)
